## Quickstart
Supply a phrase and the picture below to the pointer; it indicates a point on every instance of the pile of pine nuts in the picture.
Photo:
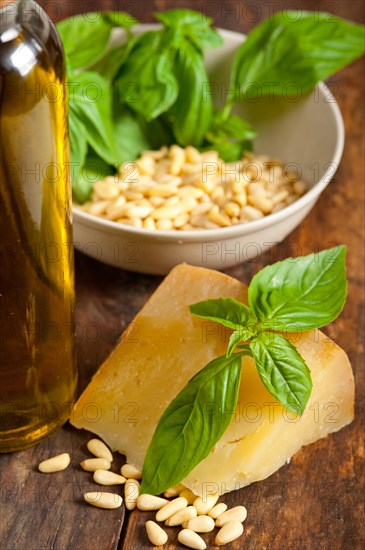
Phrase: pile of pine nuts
(182, 189)
(192, 514)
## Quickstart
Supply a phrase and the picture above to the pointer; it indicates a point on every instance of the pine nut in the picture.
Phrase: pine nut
(187, 205)
(217, 217)
(238, 513)
(192, 154)
(97, 208)
(189, 495)
(240, 199)
(103, 477)
(133, 195)
(166, 212)
(300, 187)
(202, 208)
(203, 505)
(171, 508)
(217, 510)
(232, 209)
(149, 223)
(93, 464)
(180, 517)
(211, 225)
(164, 225)
(162, 190)
(106, 190)
(181, 220)
(131, 472)
(229, 532)
(173, 491)
(165, 184)
(157, 201)
(134, 222)
(131, 493)
(139, 212)
(279, 197)
(99, 449)
(188, 191)
(198, 221)
(156, 535)
(54, 464)
(147, 502)
(201, 524)
(116, 209)
(250, 213)
(191, 540)
(172, 200)
(108, 501)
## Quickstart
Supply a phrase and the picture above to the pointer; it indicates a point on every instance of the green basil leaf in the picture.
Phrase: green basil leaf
(232, 127)
(119, 19)
(300, 294)
(193, 25)
(282, 370)
(205, 37)
(192, 113)
(91, 102)
(85, 38)
(146, 80)
(226, 311)
(236, 337)
(230, 151)
(294, 50)
(129, 137)
(188, 430)
(182, 18)
(78, 149)
(108, 66)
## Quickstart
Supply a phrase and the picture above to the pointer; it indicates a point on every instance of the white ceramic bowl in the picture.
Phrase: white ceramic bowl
(307, 132)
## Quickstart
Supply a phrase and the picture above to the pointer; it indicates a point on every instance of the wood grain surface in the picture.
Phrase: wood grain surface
(316, 502)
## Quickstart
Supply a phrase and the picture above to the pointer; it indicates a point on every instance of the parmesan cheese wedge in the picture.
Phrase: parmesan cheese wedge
(167, 346)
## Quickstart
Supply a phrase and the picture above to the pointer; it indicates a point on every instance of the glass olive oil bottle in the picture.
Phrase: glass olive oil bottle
(37, 360)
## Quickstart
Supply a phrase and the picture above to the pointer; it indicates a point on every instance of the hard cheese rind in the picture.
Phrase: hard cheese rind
(166, 346)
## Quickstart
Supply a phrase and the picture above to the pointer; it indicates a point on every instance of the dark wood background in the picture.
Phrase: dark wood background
(316, 502)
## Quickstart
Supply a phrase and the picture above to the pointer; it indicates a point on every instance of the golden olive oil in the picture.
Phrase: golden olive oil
(37, 360)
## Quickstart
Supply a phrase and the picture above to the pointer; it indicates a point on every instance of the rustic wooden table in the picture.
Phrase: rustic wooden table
(313, 503)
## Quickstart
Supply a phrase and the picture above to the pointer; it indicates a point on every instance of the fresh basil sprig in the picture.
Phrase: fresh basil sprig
(294, 50)
(159, 79)
(294, 295)
(189, 428)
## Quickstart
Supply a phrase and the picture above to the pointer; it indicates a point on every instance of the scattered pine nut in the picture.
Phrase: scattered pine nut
(191, 539)
(238, 513)
(189, 495)
(229, 532)
(171, 508)
(173, 491)
(150, 502)
(108, 501)
(103, 477)
(203, 505)
(99, 449)
(131, 472)
(217, 510)
(156, 535)
(200, 524)
(93, 464)
(131, 493)
(180, 517)
(55, 464)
